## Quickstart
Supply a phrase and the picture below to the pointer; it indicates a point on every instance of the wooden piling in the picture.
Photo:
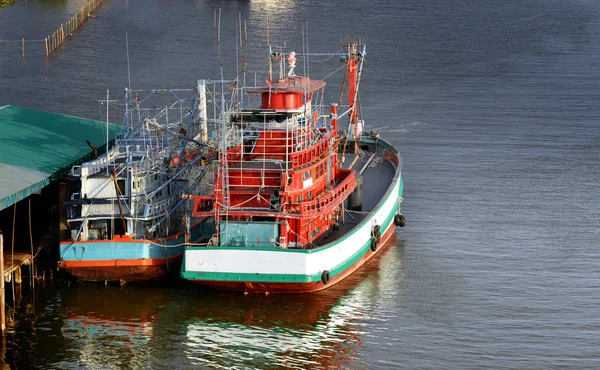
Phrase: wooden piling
(23, 48)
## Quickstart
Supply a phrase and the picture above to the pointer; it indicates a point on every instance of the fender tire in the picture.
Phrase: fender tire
(325, 277)
(377, 233)
(373, 244)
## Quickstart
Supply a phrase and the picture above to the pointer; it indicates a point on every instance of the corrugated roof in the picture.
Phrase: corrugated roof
(38, 147)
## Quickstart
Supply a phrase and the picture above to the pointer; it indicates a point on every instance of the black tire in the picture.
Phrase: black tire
(402, 221)
(377, 233)
(373, 244)
(325, 277)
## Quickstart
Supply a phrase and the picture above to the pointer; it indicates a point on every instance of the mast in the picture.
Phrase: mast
(202, 109)
(224, 169)
(355, 64)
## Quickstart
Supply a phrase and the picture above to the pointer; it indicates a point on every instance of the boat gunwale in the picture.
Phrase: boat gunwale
(378, 206)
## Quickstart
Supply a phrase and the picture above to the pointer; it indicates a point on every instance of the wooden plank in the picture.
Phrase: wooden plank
(20, 259)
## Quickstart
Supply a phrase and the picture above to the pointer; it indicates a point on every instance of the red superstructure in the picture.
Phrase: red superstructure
(287, 169)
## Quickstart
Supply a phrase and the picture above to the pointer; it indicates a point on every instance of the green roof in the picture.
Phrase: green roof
(38, 147)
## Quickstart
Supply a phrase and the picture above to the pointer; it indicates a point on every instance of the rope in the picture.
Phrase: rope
(337, 70)
(21, 41)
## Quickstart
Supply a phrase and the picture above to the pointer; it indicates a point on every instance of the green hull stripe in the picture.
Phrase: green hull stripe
(284, 278)
(316, 250)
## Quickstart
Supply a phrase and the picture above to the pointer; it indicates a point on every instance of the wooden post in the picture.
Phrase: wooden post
(23, 48)
(32, 256)
(46, 42)
(63, 196)
(2, 293)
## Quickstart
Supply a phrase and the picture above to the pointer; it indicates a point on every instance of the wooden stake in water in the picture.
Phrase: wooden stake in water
(23, 48)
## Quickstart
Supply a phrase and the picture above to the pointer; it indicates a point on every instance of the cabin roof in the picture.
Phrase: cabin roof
(294, 84)
(39, 147)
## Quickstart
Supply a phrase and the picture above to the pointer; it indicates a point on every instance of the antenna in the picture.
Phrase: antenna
(307, 60)
(268, 41)
(304, 50)
(128, 70)
(107, 138)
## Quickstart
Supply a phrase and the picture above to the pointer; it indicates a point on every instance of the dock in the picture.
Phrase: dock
(13, 262)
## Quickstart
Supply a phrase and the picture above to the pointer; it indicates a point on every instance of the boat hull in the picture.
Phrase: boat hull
(290, 288)
(271, 270)
(126, 270)
(124, 259)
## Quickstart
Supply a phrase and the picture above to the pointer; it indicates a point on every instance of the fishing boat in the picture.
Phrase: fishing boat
(126, 217)
(302, 202)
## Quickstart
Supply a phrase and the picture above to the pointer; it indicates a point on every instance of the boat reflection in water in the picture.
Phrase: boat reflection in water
(109, 325)
(142, 326)
(319, 330)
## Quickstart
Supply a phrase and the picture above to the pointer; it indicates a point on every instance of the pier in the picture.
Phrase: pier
(13, 262)
(11, 265)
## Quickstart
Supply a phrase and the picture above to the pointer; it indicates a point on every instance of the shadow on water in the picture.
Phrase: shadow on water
(94, 326)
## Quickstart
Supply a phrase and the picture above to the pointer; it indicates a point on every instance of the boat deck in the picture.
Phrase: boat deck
(377, 177)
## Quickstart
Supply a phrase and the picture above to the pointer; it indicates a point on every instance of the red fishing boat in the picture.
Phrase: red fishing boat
(299, 202)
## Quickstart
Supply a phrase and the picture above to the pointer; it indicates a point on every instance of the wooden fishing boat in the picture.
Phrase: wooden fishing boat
(126, 217)
(298, 204)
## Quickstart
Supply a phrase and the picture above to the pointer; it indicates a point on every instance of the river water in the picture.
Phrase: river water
(494, 107)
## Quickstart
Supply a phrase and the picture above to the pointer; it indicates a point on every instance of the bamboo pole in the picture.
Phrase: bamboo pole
(46, 42)
(12, 250)
(23, 48)
(31, 241)
(2, 292)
